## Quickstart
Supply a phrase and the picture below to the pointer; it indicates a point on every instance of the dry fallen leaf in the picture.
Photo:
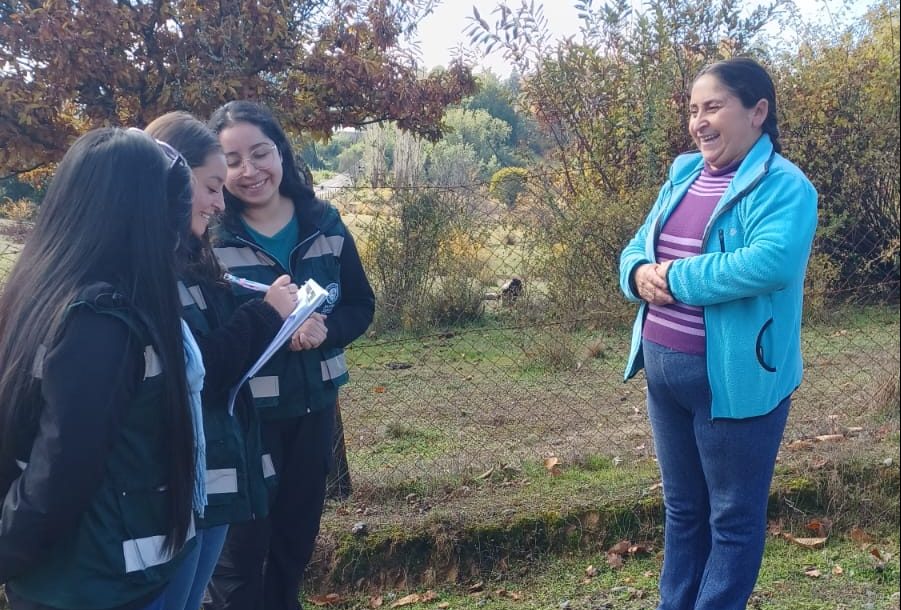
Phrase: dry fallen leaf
(429, 596)
(807, 543)
(820, 527)
(591, 571)
(859, 536)
(837, 571)
(812, 573)
(477, 587)
(829, 438)
(621, 547)
(614, 560)
(443, 606)
(412, 598)
(552, 465)
(331, 599)
(379, 389)
(376, 601)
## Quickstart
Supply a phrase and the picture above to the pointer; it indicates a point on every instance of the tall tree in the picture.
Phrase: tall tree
(68, 65)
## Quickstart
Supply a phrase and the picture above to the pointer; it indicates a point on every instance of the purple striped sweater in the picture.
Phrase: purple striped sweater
(678, 326)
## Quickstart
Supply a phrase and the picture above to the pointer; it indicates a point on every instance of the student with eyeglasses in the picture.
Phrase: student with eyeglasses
(274, 224)
(239, 474)
(96, 429)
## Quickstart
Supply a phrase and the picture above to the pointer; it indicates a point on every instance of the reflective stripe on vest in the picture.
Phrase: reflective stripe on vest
(222, 481)
(326, 246)
(232, 257)
(191, 296)
(143, 553)
(268, 466)
(22, 465)
(333, 367)
(264, 387)
(152, 364)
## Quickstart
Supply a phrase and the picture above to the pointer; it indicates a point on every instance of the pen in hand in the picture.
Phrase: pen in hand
(249, 284)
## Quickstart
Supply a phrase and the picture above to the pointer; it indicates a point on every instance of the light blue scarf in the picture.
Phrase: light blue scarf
(194, 373)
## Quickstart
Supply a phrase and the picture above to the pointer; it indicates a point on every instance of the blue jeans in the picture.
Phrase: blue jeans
(185, 590)
(716, 480)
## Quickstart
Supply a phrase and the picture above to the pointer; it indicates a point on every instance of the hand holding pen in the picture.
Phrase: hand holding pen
(281, 295)
(243, 283)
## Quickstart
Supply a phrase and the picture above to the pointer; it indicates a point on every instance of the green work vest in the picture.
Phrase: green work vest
(293, 383)
(239, 474)
(116, 554)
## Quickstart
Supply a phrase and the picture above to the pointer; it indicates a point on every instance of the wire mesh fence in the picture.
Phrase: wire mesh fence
(500, 339)
(482, 358)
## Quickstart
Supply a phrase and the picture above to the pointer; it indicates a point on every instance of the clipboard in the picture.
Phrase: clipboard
(310, 296)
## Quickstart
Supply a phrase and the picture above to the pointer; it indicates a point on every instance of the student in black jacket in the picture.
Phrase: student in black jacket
(96, 437)
(273, 224)
(239, 471)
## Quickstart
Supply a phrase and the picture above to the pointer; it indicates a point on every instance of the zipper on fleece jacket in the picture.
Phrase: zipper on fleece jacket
(731, 203)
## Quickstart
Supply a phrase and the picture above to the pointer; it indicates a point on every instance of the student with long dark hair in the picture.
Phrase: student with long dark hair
(96, 437)
(238, 472)
(274, 224)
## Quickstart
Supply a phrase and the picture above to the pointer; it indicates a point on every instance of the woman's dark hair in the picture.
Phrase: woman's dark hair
(114, 212)
(195, 260)
(293, 185)
(749, 82)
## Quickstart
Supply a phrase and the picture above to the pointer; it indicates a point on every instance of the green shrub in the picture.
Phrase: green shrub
(507, 183)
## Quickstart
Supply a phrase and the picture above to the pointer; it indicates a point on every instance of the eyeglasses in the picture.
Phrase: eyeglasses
(262, 158)
(171, 154)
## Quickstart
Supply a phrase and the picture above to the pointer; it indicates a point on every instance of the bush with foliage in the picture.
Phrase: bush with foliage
(507, 183)
(421, 254)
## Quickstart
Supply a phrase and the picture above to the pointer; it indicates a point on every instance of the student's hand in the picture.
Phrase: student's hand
(282, 295)
(650, 280)
(311, 333)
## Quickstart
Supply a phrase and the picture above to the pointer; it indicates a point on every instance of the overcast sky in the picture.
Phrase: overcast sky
(442, 31)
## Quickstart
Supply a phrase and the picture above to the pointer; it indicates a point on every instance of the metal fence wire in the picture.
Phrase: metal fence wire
(500, 339)
(497, 342)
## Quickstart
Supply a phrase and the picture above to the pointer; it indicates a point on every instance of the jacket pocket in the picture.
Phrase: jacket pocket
(761, 357)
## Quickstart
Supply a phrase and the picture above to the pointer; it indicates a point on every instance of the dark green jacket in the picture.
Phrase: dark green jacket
(297, 383)
(239, 473)
(111, 550)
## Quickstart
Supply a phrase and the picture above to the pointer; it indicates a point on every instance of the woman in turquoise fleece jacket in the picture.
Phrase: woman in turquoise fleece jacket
(718, 331)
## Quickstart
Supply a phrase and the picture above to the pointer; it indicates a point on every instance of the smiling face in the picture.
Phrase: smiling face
(721, 127)
(207, 200)
(254, 165)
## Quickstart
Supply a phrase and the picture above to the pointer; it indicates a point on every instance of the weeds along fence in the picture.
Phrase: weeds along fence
(500, 335)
